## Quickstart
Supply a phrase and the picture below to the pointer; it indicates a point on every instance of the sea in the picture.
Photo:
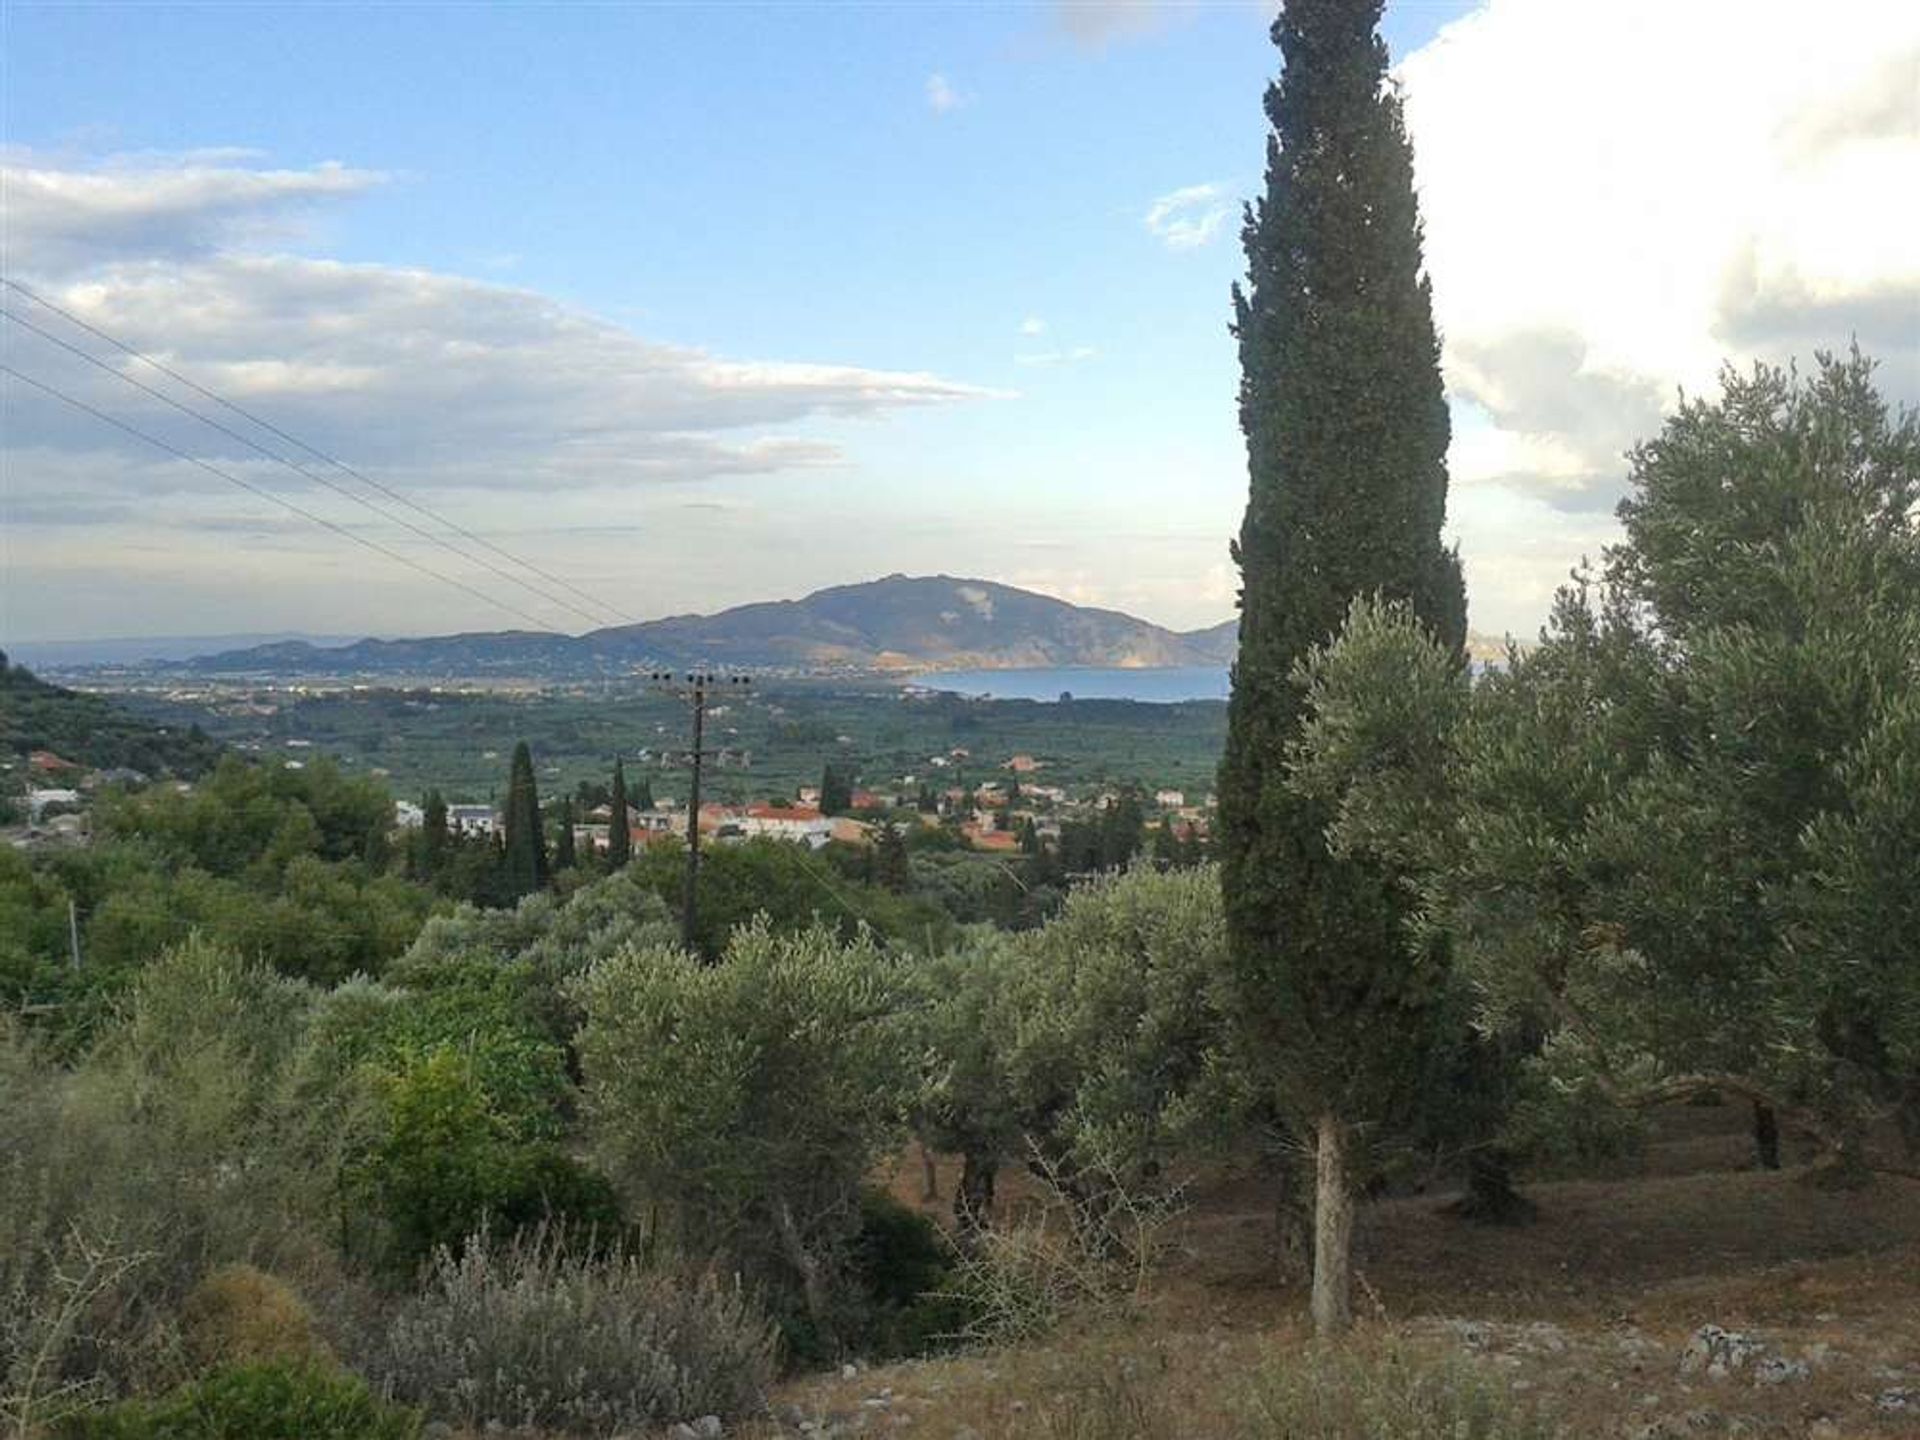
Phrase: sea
(1165, 686)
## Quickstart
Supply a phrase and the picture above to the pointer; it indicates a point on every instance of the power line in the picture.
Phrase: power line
(279, 500)
(313, 450)
(300, 469)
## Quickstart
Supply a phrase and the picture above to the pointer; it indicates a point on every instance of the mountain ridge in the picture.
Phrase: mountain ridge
(896, 624)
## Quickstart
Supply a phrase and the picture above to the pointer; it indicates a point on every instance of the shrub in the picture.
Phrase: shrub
(242, 1316)
(1381, 1391)
(256, 1402)
(902, 1271)
(542, 1333)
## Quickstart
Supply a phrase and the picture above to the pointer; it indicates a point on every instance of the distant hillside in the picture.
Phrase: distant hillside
(91, 731)
(900, 623)
(45, 655)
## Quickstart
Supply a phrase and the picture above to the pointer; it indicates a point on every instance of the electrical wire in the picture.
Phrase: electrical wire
(300, 469)
(280, 500)
(316, 452)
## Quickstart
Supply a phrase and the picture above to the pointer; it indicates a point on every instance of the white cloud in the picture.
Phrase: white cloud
(1750, 194)
(497, 402)
(1033, 325)
(941, 96)
(61, 218)
(1188, 218)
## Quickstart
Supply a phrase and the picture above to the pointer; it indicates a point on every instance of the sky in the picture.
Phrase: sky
(692, 305)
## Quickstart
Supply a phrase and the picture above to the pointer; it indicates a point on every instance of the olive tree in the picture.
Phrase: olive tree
(747, 1101)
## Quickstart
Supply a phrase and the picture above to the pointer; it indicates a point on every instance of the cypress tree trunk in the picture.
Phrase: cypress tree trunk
(1332, 1229)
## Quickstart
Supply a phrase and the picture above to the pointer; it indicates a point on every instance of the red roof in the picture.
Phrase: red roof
(781, 812)
(47, 760)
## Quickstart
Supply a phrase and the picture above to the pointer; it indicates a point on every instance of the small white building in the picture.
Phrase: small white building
(1169, 799)
(481, 820)
(40, 801)
(407, 815)
(784, 822)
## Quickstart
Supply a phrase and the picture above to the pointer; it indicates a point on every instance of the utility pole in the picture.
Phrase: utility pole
(73, 930)
(693, 689)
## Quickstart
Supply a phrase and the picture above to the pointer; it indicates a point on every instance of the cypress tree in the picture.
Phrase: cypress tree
(1346, 429)
(619, 823)
(643, 797)
(524, 860)
(836, 790)
(892, 869)
(435, 839)
(564, 857)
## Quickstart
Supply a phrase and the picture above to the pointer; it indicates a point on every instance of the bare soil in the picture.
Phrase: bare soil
(1585, 1315)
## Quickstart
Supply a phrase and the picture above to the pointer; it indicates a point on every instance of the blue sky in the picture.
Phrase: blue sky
(703, 304)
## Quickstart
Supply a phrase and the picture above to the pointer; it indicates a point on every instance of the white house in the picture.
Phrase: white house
(473, 820)
(785, 822)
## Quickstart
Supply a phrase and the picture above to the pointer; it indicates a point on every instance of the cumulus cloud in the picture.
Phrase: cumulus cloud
(1187, 218)
(941, 96)
(1590, 256)
(443, 381)
(498, 402)
(64, 217)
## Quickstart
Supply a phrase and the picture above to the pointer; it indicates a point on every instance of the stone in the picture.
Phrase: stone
(1778, 1370)
(1898, 1400)
(849, 1371)
(708, 1427)
(1717, 1353)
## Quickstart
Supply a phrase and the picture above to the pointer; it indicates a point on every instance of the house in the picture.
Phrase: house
(1169, 799)
(40, 801)
(49, 762)
(481, 820)
(994, 841)
(787, 822)
(1022, 765)
(407, 815)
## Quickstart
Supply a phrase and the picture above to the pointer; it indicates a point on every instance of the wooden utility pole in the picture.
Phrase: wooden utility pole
(73, 930)
(693, 689)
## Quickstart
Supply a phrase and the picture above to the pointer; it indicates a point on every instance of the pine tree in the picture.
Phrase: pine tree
(1346, 428)
(619, 824)
(564, 857)
(524, 861)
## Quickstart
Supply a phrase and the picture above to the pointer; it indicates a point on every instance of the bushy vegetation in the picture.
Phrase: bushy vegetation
(1672, 843)
(256, 1402)
(91, 731)
(550, 1332)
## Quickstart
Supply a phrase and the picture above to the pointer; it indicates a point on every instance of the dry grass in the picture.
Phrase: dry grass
(1583, 1316)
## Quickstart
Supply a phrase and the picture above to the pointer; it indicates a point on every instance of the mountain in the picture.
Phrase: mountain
(134, 650)
(900, 623)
